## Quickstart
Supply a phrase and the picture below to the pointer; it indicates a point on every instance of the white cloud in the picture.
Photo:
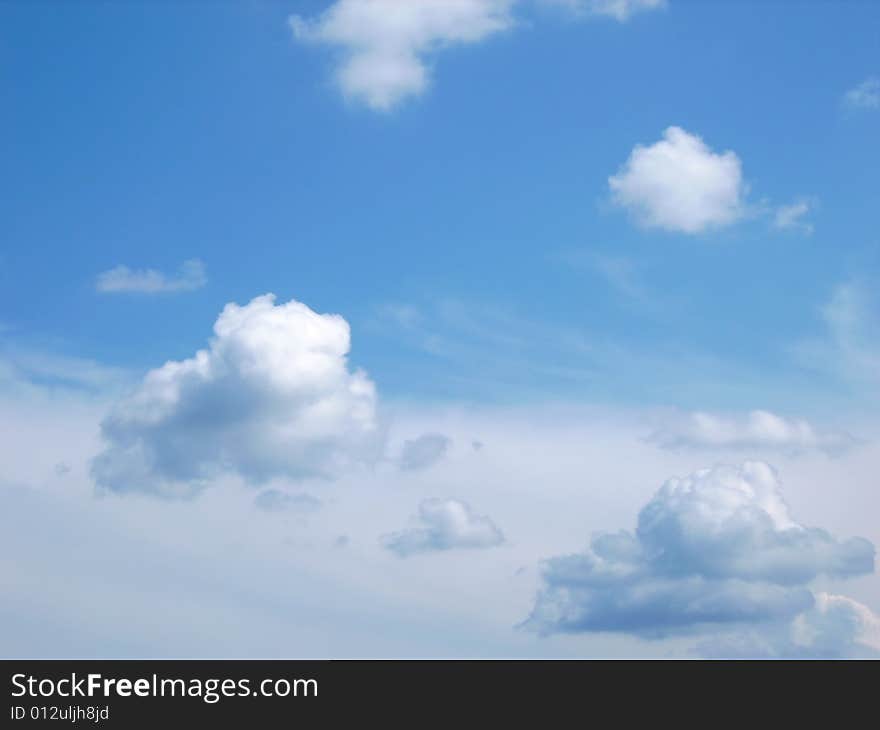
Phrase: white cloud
(680, 184)
(447, 524)
(189, 277)
(28, 370)
(754, 430)
(715, 548)
(835, 627)
(424, 451)
(788, 217)
(384, 43)
(491, 348)
(271, 396)
(621, 10)
(866, 95)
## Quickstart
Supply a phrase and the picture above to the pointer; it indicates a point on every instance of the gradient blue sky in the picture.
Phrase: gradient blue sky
(147, 134)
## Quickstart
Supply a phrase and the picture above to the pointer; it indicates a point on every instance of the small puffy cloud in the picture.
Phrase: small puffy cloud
(383, 44)
(732, 523)
(424, 451)
(274, 500)
(271, 396)
(446, 524)
(754, 430)
(791, 217)
(715, 548)
(621, 10)
(122, 279)
(680, 184)
(864, 96)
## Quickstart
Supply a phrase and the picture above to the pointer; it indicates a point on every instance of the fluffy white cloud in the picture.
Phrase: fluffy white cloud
(865, 96)
(835, 626)
(190, 276)
(30, 370)
(384, 43)
(447, 524)
(424, 451)
(680, 184)
(788, 217)
(61, 601)
(715, 548)
(621, 10)
(272, 395)
(754, 430)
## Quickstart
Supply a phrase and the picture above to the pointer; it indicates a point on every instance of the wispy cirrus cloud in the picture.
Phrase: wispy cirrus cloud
(849, 348)
(27, 369)
(121, 279)
(792, 217)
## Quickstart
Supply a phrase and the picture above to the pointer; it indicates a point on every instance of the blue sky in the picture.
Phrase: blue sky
(146, 135)
(468, 232)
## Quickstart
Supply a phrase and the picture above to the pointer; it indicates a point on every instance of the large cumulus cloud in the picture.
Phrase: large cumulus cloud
(271, 396)
(385, 49)
(717, 547)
